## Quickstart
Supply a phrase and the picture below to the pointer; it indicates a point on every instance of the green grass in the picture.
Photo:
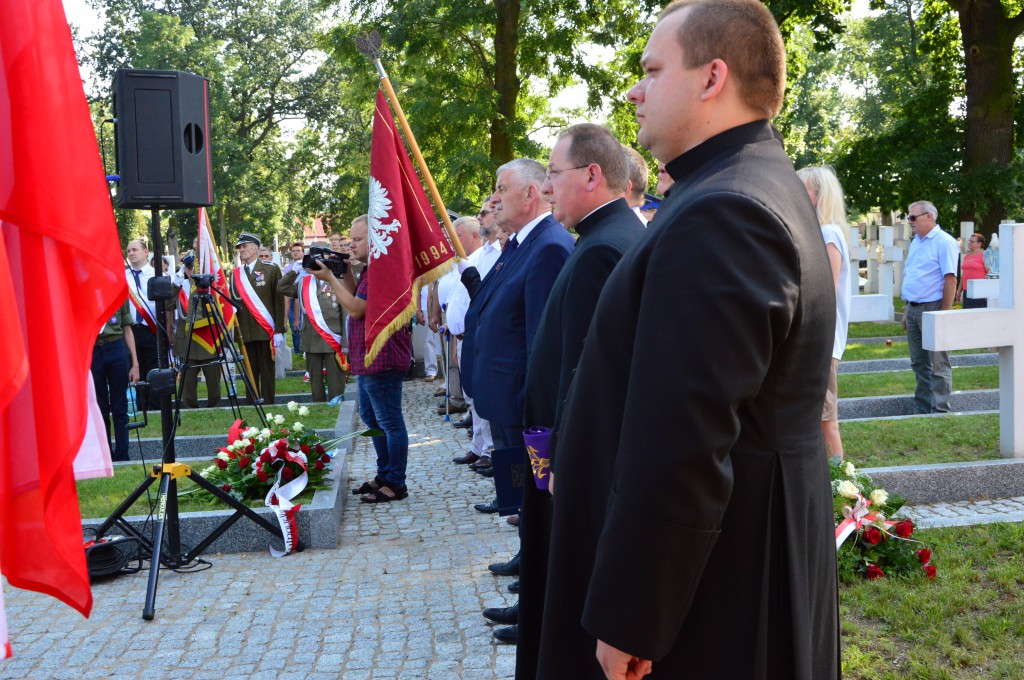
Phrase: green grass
(968, 623)
(217, 421)
(921, 441)
(874, 329)
(899, 350)
(100, 497)
(903, 382)
(284, 386)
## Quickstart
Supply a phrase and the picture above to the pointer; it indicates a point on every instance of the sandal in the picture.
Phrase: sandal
(378, 495)
(369, 487)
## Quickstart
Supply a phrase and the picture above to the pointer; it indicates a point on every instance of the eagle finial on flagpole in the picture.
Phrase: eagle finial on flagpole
(369, 44)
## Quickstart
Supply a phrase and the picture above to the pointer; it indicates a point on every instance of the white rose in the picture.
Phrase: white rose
(245, 443)
(265, 433)
(850, 470)
(250, 433)
(297, 427)
(279, 419)
(222, 456)
(303, 411)
(292, 406)
(879, 497)
(848, 489)
(208, 471)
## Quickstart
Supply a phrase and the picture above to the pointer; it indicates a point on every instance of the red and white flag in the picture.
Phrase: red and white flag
(54, 209)
(208, 262)
(408, 247)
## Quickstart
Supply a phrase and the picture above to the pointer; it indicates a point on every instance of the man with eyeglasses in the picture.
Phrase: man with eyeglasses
(929, 284)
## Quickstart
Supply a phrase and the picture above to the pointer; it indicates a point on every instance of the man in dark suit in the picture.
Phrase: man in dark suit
(260, 314)
(586, 182)
(692, 527)
(508, 306)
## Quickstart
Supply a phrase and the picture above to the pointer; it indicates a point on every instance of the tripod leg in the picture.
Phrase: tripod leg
(158, 541)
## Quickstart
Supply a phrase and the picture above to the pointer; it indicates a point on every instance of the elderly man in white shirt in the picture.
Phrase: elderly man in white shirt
(929, 284)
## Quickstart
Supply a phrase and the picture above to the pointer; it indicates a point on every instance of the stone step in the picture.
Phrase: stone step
(198, 446)
(949, 482)
(280, 399)
(903, 364)
(861, 408)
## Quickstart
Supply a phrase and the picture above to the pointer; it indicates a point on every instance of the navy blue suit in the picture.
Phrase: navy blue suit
(505, 313)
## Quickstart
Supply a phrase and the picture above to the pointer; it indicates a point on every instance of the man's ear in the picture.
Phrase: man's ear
(716, 72)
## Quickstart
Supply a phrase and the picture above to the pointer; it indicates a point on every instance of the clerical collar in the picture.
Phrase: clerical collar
(683, 166)
(595, 215)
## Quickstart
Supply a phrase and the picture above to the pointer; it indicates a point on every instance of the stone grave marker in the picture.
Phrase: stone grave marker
(999, 327)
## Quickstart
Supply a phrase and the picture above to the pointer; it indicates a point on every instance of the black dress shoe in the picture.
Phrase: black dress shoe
(485, 472)
(482, 464)
(509, 635)
(510, 568)
(468, 458)
(487, 508)
(506, 616)
(464, 423)
(514, 587)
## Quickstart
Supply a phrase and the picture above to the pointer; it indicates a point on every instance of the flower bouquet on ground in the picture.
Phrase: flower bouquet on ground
(873, 541)
(276, 464)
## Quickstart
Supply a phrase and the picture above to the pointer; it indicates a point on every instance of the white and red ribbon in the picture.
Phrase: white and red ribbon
(244, 289)
(279, 498)
(856, 517)
(311, 302)
(141, 306)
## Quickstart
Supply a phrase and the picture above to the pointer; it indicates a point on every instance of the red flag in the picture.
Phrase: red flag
(67, 276)
(208, 262)
(407, 245)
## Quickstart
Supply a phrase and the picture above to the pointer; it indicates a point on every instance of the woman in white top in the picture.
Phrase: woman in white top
(827, 196)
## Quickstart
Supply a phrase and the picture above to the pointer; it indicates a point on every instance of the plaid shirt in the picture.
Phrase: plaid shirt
(396, 355)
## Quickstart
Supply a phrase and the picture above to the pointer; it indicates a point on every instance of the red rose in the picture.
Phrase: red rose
(304, 448)
(872, 535)
(924, 555)
(929, 571)
(244, 461)
(874, 573)
(265, 457)
(319, 465)
(249, 449)
(904, 529)
(231, 454)
(221, 463)
(225, 488)
(282, 445)
(287, 473)
(262, 476)
(325, 459)
(319, 449)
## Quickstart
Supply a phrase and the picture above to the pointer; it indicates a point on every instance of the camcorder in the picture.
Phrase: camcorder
(336, 262)
(203, 281)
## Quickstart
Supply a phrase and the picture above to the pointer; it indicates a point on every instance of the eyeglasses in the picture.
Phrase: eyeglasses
(552, 173)
(913, 218)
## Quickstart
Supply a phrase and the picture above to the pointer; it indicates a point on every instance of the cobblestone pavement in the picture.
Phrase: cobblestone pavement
(965, 513)
(401, 597)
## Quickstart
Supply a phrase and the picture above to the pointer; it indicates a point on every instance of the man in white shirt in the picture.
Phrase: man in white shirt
(146, 323)
(929, 283)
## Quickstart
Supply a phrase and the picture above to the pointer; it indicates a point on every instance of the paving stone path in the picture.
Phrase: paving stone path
(401, 597)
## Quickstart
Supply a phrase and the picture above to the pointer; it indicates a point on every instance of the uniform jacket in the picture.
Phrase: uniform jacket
(334, 315)
(265, 279)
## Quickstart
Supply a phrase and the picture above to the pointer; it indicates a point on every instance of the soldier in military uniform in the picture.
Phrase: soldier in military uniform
(114, 364)
(199, 357)
(254, 285)
(319, 353)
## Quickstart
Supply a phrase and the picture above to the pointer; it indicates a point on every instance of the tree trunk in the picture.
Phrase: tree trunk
(988, 36)
(506, 78)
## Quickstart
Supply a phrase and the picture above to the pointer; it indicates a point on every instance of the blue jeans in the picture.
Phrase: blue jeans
(380, 407)
(294, 318)
(110, 366)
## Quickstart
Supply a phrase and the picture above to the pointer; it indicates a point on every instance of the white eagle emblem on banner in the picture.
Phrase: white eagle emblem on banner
(380, 234)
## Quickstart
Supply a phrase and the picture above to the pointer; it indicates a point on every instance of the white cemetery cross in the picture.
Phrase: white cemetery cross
(903, 238)
(876, 306)
(886, 253)
(998, 327)
(864, 307)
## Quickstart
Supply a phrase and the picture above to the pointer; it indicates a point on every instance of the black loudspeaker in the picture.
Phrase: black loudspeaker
(162, 124)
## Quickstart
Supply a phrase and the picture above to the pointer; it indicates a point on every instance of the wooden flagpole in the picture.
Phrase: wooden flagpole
(372, 51)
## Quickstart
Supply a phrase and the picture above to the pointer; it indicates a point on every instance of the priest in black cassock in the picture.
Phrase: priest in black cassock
(692, 526)
(588, 175)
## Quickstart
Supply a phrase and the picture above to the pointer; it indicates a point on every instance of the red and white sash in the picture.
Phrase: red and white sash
(259, 311)
(140, 305)
(311, 303)
(183, 294)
